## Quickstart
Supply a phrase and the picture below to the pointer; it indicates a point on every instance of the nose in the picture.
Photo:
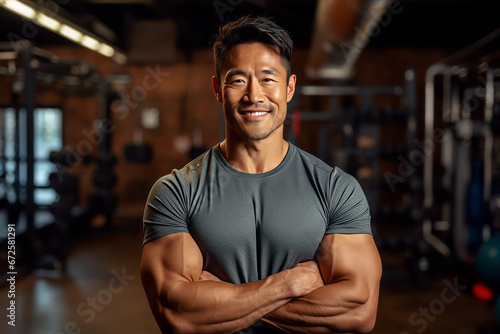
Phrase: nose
(254, 93)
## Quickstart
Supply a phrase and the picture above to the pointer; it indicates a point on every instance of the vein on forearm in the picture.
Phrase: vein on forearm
(219, 303)
(331, 305)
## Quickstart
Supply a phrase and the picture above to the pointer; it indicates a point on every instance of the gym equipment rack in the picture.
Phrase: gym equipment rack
(36, 69)
(390, 175)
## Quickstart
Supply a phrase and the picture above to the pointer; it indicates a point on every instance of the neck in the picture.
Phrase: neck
(254, 156)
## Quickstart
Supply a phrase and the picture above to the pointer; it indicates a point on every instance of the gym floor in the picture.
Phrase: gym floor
(101, 292)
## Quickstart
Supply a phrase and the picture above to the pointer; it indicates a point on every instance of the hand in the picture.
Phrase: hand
(303, 278)
(312, 265)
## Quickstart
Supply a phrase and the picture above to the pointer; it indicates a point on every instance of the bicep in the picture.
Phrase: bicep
(351, 270)
(169, 261)
(350, 257)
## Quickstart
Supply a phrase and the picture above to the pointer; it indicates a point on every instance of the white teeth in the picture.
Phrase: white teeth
(258, 113)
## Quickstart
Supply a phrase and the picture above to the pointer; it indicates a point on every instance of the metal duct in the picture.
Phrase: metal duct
(342, 29)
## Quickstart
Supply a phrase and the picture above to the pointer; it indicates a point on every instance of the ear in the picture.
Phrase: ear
(217, 90)
(290, 89)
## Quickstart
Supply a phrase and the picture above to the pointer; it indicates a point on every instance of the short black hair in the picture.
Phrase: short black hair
(252, 29)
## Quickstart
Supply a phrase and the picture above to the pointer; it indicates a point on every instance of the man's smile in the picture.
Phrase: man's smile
(254, 113)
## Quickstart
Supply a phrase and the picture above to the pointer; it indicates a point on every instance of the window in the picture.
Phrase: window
(47, 137)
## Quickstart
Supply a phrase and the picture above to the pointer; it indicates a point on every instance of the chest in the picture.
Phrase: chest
(264, 226)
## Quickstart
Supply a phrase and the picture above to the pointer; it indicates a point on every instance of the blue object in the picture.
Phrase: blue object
(488, 263)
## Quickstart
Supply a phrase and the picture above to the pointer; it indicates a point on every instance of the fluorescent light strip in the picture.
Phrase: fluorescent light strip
(120, 58)
(48, 22)
(106, 50)
(90, 43)
(73, 34)
(70, 33)
(20, 8)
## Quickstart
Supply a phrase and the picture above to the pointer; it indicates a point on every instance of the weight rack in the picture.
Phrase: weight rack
(385, 172)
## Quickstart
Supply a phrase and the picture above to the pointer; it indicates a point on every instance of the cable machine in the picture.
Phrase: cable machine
(462, 175)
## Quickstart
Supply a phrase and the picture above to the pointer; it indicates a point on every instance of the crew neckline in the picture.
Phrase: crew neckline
(283, 164)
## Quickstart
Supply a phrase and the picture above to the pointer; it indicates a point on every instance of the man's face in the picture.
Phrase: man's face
(254, 91)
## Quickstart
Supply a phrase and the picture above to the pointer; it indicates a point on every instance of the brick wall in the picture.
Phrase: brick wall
(202, 111)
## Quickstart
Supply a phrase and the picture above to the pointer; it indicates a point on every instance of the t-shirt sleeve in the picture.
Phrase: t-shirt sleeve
(165, 211)
(349, 212)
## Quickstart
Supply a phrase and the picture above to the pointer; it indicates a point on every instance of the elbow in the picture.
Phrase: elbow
(364, 323)
(358, 320)
(364, 315)
(175, 323)
(182, 329)
(186, 328)
(359, 323)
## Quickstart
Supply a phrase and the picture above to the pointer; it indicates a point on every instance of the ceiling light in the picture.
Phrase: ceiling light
(70, 33)
(106, 50)
(47, 22)
(35, 13)
(90, 42)
(120, 58)
(20, 8)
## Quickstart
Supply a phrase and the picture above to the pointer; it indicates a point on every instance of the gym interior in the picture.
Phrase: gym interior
(100, 98)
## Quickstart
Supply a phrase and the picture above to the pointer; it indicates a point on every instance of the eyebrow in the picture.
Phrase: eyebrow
(234, 73)
(269, 71)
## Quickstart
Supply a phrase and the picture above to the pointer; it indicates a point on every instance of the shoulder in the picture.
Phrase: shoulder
(341, 177)
(180, 180)
(192, 168)
(337, 176)
(198, 162)
(311, 160)
(344, 183)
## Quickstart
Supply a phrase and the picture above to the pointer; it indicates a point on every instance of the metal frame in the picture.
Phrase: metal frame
(367, 94)
(39, 65)
(456, 119)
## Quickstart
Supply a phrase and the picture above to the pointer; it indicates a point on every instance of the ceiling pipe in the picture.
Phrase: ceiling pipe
(342, 30)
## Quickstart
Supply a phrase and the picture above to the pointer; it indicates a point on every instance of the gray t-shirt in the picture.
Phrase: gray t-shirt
(249, 226)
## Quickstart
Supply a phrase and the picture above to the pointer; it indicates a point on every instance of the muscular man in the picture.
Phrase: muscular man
(256, 235)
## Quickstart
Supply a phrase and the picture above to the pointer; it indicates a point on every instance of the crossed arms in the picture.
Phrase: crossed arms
(340, 296)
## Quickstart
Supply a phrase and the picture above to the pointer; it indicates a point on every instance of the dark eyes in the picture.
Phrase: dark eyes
(241, 81)
(237, 81)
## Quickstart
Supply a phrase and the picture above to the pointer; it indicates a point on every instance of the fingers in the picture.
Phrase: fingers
(308, 264)
(313, 266)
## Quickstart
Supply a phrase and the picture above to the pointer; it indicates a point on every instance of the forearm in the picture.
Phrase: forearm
(215, 307)
(211, 307)
(333, 308)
